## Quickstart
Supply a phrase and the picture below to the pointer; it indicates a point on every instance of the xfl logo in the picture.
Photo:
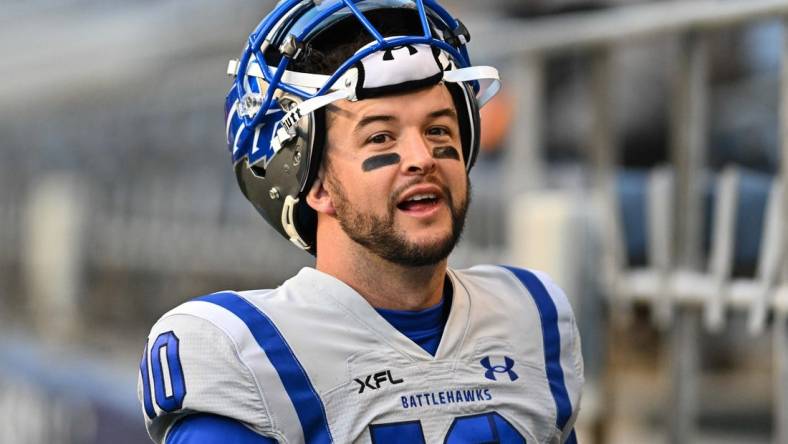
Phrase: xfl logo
(493, 369)
(374, 381)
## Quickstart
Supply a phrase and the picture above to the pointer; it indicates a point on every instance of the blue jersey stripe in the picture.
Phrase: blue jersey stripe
(307, 403)
(552, 342)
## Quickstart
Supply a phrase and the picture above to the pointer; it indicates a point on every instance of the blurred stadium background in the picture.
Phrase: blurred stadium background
(634, 155)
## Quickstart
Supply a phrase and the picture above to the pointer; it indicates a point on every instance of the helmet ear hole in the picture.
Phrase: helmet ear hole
(258, 171)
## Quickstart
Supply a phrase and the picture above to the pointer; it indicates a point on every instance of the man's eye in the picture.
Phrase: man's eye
(378, 138)
(438, 131)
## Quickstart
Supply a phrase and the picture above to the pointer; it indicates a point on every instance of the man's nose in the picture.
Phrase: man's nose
(417, 155)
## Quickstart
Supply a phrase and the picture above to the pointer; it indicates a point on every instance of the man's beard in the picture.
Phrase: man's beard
(378, 235)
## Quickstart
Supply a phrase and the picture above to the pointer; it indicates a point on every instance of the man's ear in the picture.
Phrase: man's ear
(319, 197)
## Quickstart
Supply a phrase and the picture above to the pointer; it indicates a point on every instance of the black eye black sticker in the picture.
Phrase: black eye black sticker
(446, 152)
(383, 160)
(380, 161)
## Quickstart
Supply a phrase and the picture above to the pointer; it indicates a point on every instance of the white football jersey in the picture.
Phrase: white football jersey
(312, 362)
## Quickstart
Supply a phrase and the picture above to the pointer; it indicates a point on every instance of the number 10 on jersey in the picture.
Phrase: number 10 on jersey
(166, 375)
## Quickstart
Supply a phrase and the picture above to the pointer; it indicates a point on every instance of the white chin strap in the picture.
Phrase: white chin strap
(487, 76)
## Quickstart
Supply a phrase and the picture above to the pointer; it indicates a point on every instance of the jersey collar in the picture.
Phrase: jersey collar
(362, 312)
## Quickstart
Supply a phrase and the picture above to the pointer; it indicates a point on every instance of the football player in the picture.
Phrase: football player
(352, 125)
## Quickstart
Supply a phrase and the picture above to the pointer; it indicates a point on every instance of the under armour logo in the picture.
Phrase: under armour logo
(388, 56)
(493, 369)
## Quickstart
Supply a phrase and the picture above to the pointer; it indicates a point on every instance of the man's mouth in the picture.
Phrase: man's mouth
(419, 202)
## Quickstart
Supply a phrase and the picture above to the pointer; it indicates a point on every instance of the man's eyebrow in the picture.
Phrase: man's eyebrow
(445, 112)
(372, 119)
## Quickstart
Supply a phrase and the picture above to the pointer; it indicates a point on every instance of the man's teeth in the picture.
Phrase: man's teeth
(419, 197)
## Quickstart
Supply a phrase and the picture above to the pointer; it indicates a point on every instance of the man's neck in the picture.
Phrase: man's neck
(385, 284)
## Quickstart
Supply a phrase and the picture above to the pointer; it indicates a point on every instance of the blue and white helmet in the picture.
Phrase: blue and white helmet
(293, 66)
